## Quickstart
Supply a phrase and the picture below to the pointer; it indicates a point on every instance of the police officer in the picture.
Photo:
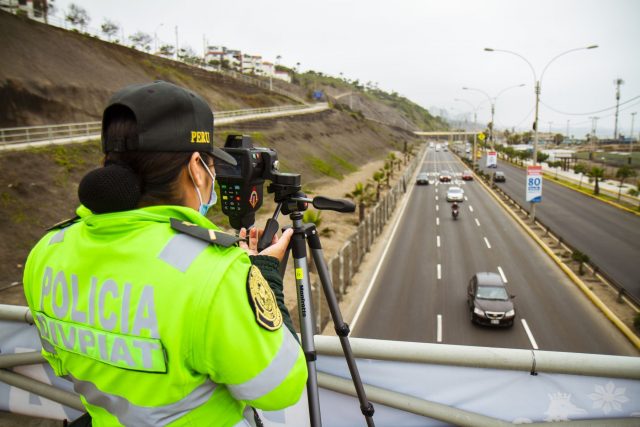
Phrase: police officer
(156, 316)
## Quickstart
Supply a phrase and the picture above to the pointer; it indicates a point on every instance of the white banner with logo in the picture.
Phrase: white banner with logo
(511, 396)
(534, 184)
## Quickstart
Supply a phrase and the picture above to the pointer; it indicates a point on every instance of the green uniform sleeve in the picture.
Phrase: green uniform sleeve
(268, 266)
(265, 368)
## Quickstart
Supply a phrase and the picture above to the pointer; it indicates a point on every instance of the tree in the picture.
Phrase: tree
(526, 137)
(378, 178)
(77, 16)
(622, 174)
(558, 138)
(542, 157)
(361, 195)
(109, 28)
(141, 41)
(581, 169)
(167, 50)
(596, 174)
(581, 259)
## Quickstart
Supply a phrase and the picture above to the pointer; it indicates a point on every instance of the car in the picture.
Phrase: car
(467, 175)
(445, 148)
(437, 147)
(455, 194)
(422, 179)
(444, 176)
(489, 301)
(498, 176)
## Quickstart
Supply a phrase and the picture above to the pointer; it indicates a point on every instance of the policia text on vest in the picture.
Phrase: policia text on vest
(120, 342)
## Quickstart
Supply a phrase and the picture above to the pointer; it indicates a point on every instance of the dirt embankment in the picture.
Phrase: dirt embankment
(38, 187)
(49, 75)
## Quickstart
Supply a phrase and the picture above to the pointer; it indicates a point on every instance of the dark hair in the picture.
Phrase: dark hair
(132, 179)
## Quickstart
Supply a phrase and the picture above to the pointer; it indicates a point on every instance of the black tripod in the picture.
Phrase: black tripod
(292, 202)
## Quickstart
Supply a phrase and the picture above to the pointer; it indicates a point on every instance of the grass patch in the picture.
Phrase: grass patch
(344, 164)
(324, 168)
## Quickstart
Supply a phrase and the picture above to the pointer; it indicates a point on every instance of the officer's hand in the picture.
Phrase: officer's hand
(278, 245)
(251, 246)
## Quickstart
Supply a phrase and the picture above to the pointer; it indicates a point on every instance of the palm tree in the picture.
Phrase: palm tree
(597, 174)
(623, 173)
(379, 177)
(580, 168)
(361, 196)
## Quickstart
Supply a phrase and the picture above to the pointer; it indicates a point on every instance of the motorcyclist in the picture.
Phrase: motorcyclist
(454, 209)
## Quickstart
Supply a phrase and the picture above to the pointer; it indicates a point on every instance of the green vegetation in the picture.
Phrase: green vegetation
(324, 168)
(408, 110)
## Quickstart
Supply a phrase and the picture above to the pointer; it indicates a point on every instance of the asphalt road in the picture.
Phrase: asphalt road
(419, 294)
(609, 236)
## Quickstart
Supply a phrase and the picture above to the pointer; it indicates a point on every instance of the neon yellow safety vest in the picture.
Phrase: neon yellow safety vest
(156, 327)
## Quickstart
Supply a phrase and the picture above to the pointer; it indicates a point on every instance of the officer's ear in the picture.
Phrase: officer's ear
(196, 170)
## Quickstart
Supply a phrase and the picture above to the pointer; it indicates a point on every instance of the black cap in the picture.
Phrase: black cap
(168, 117)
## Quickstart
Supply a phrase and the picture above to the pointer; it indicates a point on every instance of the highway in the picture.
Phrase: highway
(609, 236)
(419, 294)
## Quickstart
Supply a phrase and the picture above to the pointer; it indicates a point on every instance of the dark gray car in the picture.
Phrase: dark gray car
(489, 302)
(422, 179)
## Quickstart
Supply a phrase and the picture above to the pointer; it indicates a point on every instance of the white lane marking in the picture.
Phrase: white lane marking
(439, 272)
(437, 220)
(379, 266)
(504, 278)
(532, 340)
(466, 198)
(439, 329)
(477, 222)
(438, 241)
(471, 208)
(487, 242)
(436, 197)
(437, 207)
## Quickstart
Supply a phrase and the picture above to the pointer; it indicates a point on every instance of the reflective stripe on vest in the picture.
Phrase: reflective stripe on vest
(58, 237)
(120, 350)
(273, 375)
(182, 250)
(134, 415)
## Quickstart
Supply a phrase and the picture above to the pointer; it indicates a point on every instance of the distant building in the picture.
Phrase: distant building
(282, 75)
(34, 9)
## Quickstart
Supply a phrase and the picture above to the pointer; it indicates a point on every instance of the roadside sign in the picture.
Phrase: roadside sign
(492, 159)
(534, 184)
(481, 136)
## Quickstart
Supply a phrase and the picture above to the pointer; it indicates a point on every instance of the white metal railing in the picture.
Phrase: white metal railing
(529, 361)
(27, 134)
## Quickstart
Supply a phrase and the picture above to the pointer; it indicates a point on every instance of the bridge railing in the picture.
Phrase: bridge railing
(26, 134)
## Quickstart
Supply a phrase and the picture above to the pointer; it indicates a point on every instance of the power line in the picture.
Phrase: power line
(590, 112)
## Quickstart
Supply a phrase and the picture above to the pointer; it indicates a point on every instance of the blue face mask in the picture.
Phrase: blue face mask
(213, 198)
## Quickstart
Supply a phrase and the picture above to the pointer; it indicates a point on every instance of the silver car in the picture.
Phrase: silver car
(455, 194)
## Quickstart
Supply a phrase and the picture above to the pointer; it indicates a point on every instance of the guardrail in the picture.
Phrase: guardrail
(20, 135)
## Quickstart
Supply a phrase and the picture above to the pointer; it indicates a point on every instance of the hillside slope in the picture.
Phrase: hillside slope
(49, 75)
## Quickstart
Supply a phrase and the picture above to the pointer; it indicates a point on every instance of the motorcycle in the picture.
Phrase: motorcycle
(455, 211)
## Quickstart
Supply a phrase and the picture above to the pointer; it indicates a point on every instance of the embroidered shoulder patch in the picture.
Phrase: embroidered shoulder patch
(263, 301)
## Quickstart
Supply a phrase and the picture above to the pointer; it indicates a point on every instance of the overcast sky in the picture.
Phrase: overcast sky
(428, 50)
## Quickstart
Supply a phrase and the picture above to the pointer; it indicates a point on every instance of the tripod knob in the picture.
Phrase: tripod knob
(338, 205)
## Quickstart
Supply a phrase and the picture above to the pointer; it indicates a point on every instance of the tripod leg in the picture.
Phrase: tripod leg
(342, 329)
(305, 311)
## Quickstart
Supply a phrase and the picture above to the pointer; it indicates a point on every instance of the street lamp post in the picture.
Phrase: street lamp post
(492, 101)
(537, 92)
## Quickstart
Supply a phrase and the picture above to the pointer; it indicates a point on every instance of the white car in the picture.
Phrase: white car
(455, 194)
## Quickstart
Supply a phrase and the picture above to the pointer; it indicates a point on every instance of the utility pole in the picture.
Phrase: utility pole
(177, 43)
(594, 124)
(617, 82)
(633, 118)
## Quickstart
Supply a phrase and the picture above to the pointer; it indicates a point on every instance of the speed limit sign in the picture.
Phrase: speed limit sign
(534, 184)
